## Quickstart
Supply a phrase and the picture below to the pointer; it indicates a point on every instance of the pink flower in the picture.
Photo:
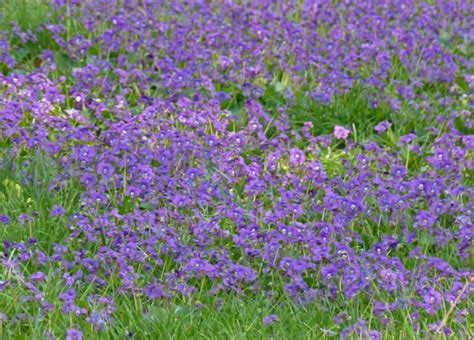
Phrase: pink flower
(340, 132)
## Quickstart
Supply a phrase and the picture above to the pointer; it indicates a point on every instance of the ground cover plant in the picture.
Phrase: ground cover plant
(236, 169)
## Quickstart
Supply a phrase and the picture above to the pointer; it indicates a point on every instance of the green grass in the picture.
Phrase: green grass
(238, 318)
(25, 188)
(29, 15)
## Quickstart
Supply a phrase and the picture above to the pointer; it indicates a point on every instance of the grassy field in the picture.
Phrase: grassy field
(46, 203)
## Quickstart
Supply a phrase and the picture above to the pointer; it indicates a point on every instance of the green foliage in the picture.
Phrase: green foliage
(27, 186)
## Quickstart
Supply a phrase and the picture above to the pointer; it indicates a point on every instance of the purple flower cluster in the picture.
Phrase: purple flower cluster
(177, 188)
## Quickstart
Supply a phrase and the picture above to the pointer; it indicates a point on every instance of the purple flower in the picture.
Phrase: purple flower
(297, 157)
(38, 276)
(219, 304)
(5, 219)
(329, 271)
(407, 138)
(70, 307)
(269, 319)
(57, 210)
(424, 220)
(105, 169)
(154, 291)
(382, 126)
(25, 218)
(98, 318)
(433, 297)
(69, 295)
(373, 334)
(73, 334)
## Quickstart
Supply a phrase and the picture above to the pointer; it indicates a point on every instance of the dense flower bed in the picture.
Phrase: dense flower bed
(192, 180)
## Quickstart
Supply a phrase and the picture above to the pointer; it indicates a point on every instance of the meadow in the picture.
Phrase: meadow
(236, 169)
